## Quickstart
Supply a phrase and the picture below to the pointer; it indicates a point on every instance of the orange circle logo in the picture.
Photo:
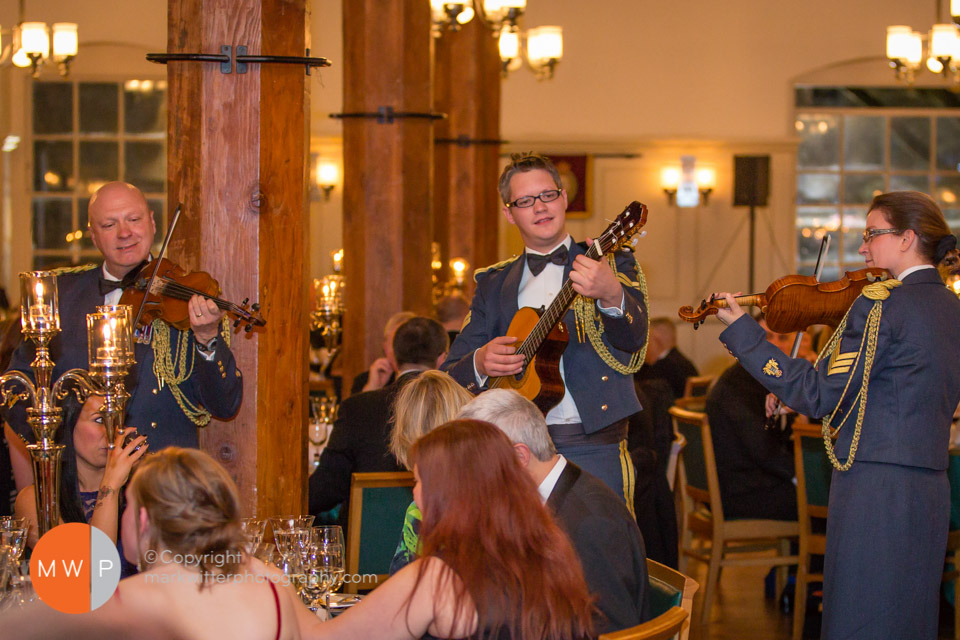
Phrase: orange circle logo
(75, 568)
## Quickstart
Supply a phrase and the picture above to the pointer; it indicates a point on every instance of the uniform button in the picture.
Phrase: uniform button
(223, 375)
(153, 425)
(603, 407)
(604, 378)
(237, 371)
(155, 392)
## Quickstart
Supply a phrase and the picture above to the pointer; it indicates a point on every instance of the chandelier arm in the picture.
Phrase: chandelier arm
(10, 397)
(83, 385)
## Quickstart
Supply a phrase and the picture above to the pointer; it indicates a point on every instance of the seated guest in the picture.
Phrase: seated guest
(754, 464)
(604, 534)
(428, 401)
(182, 507)
(452, 309)
(663, 361)
(93, 476)
(494, 563)
(383, 370)
(360, 439)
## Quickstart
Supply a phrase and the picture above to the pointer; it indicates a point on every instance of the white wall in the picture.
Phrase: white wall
(711, 78)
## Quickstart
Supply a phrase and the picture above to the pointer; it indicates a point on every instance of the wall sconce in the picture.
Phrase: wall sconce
(31, 44)
(670, 181)
(544, 50)
(450, 15)
(327, 175)
(706, 181)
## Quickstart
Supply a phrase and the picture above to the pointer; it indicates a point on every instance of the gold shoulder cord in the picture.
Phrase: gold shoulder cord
(878, 291)
(78, 269)
(173, 375)
(589, 322)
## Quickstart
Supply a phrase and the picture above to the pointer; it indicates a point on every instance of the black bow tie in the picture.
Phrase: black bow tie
(107, 285)
(537, 262)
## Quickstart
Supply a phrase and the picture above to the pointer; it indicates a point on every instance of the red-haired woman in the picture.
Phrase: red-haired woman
(493, 562)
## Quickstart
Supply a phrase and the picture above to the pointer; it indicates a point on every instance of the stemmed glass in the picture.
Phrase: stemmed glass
(330, 556)
(253, 533)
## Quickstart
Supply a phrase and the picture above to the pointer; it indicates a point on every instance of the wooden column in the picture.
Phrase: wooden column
(237, 160)
(387, 193)
(466, 205)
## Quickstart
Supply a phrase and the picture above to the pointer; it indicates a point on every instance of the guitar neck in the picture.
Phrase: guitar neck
(553, 313)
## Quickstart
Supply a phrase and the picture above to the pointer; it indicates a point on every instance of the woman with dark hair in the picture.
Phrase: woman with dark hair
(886, 385)
(493, 562)
(93, 475)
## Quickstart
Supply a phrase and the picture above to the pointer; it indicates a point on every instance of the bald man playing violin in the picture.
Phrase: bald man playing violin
(181, 378)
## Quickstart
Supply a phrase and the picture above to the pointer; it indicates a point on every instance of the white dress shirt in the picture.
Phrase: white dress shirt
(546, 487)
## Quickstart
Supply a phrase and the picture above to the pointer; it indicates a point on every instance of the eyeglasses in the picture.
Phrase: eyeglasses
(870, 234)
(528, 201)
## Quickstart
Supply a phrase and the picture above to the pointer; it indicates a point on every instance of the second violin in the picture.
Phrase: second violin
(794, 302)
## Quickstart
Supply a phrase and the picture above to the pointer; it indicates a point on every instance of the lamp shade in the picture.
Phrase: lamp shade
(914, 49)
(34, 40)
(64, 39)
(955, 8)
(898, 41)
(670, 177)
(327, 174)
(544, 44)
(509, 44)
(706, 178)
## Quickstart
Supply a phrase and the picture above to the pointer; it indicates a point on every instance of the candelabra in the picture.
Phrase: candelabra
(110, 338)
(327, 316)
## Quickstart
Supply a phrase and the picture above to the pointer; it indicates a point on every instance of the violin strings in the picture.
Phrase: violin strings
(182, 292)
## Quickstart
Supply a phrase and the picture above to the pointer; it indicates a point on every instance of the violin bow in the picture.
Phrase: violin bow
(156, 267)
(798, 340)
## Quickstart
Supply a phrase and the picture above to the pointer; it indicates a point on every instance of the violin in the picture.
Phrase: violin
(172, 288)
(795, 302)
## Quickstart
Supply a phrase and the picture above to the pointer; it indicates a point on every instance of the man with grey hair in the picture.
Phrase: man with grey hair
(603, 532)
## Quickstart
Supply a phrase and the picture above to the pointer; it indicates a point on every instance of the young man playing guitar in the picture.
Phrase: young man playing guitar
(589, 425)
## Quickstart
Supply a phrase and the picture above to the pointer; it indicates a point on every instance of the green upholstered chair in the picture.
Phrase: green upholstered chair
(813, 492)
(703, 521)
(378, 502)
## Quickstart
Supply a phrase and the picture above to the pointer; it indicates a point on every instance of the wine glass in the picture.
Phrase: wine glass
(330, 556)
(253, 533)
(15, 539)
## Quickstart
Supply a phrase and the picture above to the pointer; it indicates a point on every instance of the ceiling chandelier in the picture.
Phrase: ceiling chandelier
(905, 48)
(29, 44)
(544, 45)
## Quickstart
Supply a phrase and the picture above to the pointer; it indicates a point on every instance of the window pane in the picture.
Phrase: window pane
(819, 144)
(863, 142)
(953, 218)
(861, 188)
(157, 207)
(52, 221)
(812, 224)
(52, 107)
(910, 143)
(818, 188)
(948, 144)
(99, 164)
(854, 222)
(909, 183)
(52, 165)
(42, 263)
(947, 192)
(145, 166)
(98, 108)
(145, 110)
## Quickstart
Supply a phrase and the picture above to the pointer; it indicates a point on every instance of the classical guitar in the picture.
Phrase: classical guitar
(543, 336)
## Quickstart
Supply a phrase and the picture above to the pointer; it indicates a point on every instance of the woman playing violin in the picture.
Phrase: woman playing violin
(888, 382)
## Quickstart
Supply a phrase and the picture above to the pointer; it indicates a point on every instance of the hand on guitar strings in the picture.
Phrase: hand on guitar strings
(499, 358)
(595, 279)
